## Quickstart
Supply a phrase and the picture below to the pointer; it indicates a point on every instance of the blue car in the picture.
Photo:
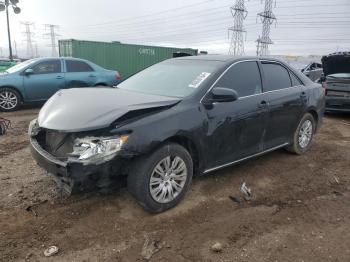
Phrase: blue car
(36, 80)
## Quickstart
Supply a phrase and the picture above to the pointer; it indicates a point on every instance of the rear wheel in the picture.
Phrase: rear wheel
(10, 99)
(160, 181)
(303, 135)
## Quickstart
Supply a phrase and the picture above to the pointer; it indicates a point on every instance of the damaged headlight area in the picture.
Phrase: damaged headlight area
(91, 149)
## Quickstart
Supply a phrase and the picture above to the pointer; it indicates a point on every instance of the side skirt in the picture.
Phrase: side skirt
(245, 158)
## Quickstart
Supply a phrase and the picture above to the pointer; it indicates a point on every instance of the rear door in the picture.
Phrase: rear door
(236, 129)
(79, 74)
(47, 79)
(286, 101)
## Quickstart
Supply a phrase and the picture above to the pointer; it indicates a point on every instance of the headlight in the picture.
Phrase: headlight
(96, 148)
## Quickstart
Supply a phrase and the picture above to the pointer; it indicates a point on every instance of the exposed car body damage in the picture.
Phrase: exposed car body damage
(72, 110)
(133, 124)
(337, 81)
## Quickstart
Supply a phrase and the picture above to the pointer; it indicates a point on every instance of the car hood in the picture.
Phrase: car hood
(83, 109)
(334, 64)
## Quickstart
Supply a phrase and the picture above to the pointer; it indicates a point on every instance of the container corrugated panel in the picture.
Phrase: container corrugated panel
(128, 59)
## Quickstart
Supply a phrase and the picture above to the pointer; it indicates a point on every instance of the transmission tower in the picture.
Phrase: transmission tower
(53, 36)
(29, 34)
(239, 13)
(267, 18)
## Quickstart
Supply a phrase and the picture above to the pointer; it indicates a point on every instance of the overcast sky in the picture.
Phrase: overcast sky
(303, 26)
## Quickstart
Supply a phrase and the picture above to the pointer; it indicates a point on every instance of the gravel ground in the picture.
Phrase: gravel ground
(300, 210)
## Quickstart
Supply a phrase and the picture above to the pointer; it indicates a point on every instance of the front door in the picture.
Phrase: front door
(47, 78)
(235, 129)
(285, 100)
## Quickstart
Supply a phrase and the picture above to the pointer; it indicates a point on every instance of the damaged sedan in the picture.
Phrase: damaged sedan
(336, 81)
(176, 119)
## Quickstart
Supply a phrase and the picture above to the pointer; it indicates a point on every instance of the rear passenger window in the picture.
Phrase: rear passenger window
(276, 76)
(295, 80)
(244, 78)
(78, 66)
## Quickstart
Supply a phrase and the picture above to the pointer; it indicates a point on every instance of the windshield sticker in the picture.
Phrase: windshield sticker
(199, 79)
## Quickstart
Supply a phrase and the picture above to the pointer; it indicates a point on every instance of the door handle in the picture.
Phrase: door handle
(59, 77)
(92, 76)
(263, 104)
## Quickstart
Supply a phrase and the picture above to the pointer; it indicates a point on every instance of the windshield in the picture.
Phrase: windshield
(20, 66)
(176, 78)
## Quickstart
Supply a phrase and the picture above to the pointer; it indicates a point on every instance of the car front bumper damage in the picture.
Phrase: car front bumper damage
(73, 177)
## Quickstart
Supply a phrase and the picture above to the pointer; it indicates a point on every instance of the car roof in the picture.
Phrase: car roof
(226, 58)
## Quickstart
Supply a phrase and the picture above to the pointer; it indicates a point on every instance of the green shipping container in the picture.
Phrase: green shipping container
(128, 59)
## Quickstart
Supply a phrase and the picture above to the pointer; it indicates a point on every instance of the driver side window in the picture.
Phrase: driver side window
(243, 77)
(47, 67)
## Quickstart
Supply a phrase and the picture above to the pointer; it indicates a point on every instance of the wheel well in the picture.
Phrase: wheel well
(101, 84)
(314, 115)
(14, 88)
(190, 147)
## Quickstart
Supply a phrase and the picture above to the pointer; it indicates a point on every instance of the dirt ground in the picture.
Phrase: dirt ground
(300, 209)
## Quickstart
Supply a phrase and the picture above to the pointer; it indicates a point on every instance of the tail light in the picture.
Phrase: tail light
(117, 76)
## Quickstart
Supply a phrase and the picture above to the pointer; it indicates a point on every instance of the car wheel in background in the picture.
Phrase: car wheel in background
(10, 99)
(159, 181)
(303, 135)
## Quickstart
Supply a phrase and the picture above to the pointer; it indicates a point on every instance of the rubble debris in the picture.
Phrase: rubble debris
(246, 191)
(30, 209)
(336, 179)
(51, 251)
(235, 199)
(4, 125)
(217, 247)
(150, 247)
(337, 193)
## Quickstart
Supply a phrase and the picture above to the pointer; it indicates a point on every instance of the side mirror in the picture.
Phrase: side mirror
(302, 70)
(28, 71)
(222, 94)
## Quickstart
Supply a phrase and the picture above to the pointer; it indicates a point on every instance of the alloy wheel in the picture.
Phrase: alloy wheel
(305, 134)
(8, 100)
(168, 179)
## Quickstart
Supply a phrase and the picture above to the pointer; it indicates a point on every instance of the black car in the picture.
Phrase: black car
(336, 81)
(181, 117)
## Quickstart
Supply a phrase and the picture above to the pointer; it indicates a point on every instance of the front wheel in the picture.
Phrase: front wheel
(9, 99)
(303, 135)
(160, 181)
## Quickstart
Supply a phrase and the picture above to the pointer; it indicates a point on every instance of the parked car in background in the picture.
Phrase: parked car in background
(313, 71)
(184, 116)
(6, 64)
(36, 80)
(336, 81)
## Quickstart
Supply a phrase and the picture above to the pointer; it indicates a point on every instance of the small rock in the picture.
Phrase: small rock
(217, 247)
(29, 255)
(51, 251)
(150, 247)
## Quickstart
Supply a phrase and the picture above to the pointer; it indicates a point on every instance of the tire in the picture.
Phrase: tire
(2, 129)
(144, 169)
(299, 145)
(10, 100)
